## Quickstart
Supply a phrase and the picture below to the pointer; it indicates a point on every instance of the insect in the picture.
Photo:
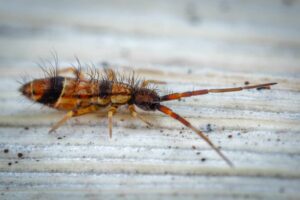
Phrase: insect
(90, 92)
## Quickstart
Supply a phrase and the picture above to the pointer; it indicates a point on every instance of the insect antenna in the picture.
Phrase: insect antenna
(174, 115)
(174, 96)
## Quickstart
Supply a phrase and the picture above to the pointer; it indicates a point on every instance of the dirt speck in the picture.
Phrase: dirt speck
(59, 138)
(9, 163)
(229, 136)
(6, 151)
(193, 147)
(263, 88)
(20, 155)
(246, 82)
(209, 128)
(203, 159)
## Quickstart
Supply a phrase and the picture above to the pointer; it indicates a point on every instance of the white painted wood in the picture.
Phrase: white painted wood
(188, 44)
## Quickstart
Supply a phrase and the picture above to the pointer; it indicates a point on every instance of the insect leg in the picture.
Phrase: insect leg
(74, 113)
(145, 83)
(112, 110)
(206, 91)
(135, 114)
(174, 115)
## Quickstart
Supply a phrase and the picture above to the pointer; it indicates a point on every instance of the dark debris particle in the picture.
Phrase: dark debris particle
(26, 128)
(169, 147)
(263, 88)
(16, 162)
(9, 163)
(208, 128)
(198, 153)
(246, 82)
(59, 138)
(203, 159)
(229, 136)
(193, 147)
(20, 155)
(6, 151)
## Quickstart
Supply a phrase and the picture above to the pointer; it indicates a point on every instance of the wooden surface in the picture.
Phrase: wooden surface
(188, 44)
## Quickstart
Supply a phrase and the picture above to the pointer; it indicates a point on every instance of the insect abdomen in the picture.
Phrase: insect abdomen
(46, 91)
(65, 93)
(53, 89)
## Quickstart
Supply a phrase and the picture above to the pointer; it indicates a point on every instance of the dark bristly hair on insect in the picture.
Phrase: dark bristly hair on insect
(84, 93)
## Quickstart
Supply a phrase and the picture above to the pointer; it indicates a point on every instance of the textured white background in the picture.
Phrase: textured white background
(188, 44)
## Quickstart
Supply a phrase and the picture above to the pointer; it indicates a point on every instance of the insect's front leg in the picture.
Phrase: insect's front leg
(74, 113)
(136, 115)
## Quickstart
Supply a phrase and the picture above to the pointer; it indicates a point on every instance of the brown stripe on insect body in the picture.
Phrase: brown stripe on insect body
(81, 95)
(46, 91)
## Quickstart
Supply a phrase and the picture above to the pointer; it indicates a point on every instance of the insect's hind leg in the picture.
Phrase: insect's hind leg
(74, 113)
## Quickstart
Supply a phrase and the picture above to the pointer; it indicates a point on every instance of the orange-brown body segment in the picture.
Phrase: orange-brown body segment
(72, 93)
